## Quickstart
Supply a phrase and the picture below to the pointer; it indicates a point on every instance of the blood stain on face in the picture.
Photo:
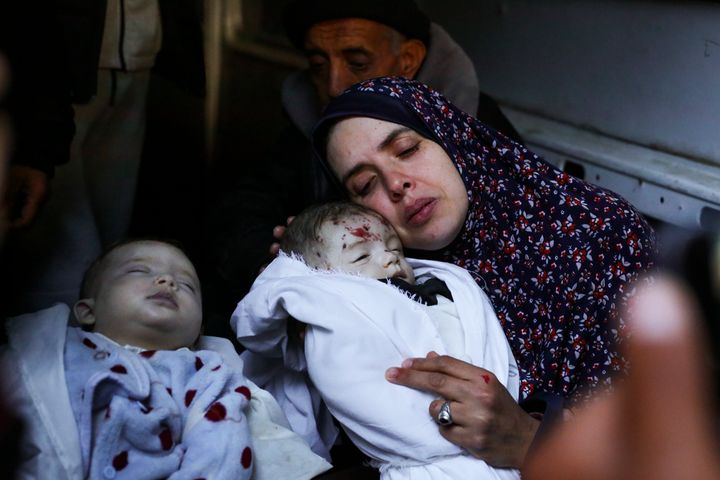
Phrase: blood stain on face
(363, 232)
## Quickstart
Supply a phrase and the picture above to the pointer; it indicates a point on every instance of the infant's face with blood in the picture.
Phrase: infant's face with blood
(363, 244)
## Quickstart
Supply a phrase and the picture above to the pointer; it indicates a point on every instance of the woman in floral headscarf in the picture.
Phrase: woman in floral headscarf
(554, 254)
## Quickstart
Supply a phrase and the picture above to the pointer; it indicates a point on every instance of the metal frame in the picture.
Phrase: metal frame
(675, 189)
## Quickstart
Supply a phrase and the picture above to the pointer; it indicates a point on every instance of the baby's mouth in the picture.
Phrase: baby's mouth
(164, 298)
(399, 274)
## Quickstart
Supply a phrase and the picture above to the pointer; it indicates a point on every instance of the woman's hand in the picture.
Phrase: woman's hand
(487, 421)
(26, 190)
(278, 233)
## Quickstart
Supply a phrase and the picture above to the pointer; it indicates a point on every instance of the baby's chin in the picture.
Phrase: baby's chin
(167, 344)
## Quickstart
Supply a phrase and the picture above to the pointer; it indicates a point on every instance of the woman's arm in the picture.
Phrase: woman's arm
(487, 421)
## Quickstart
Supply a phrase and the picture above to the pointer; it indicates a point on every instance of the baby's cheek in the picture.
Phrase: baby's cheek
(318, 260)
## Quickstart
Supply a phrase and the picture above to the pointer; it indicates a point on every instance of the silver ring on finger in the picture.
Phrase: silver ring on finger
(444, 417)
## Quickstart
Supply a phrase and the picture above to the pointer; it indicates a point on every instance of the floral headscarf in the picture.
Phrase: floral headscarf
(554, 254)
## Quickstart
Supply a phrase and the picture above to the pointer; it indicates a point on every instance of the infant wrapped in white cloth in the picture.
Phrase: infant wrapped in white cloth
(358, 327)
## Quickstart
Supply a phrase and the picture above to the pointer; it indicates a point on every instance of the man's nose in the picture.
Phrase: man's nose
(166, 280)
(339, 79)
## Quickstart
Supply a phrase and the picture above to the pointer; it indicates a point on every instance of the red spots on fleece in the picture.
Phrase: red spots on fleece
(89, 343)
(147, 353)
(243, 390)
(198, 363)
(120, 461)
(189, 396)
(166, 440)
(118, 369)
(216, 412)
(486, 377)
(246, 458)
(216, 368)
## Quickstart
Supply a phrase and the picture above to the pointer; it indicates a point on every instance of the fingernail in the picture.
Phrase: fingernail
(407, 363)
(391, 373)
(659, 311)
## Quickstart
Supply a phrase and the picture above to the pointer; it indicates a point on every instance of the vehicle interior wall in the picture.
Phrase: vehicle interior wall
(625, 91)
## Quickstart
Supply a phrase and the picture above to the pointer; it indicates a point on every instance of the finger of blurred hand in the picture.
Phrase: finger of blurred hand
(668, 411)
(290, 219)
(588, 443)
(657, 425)
(274, 249)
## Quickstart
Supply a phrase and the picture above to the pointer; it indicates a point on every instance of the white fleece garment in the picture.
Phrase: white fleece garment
(356, 329)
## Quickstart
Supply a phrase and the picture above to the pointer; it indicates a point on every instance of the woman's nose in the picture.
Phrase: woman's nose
(399, 185)
(165, 280)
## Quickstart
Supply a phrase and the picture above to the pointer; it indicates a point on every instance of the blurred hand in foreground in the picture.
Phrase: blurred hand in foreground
(660, 423)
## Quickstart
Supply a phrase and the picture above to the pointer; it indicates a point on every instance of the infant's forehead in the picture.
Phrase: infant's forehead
(353, 222)
(354, 228)
(355, 218)
(146, 249)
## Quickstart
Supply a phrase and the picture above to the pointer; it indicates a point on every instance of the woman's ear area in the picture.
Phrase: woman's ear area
(412, 55)
(84, 311)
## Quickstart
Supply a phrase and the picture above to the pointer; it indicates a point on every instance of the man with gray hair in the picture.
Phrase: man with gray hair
(350, 41)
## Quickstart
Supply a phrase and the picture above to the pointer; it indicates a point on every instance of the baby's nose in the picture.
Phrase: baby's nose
(391, 259)
(165, 279)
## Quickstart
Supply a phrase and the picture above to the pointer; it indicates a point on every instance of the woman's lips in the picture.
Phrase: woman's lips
(420, 211)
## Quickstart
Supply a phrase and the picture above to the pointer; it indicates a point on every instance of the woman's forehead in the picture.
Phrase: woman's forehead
(367, 126)
(354, 140)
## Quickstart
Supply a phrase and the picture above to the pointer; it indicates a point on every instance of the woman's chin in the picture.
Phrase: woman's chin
(426, 241)
(431, 238)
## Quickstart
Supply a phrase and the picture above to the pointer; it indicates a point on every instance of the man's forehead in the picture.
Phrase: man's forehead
(403, 16)
(347, 32)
